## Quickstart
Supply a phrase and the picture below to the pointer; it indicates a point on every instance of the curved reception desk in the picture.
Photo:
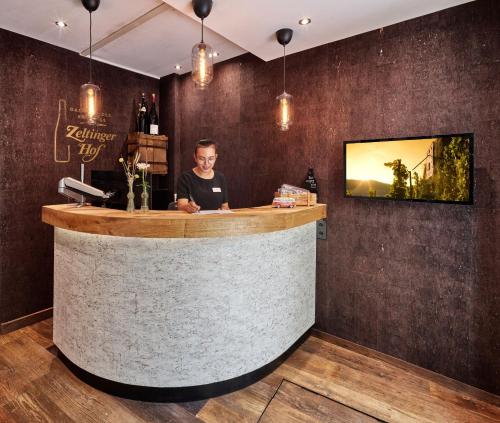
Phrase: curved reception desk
(167, 306)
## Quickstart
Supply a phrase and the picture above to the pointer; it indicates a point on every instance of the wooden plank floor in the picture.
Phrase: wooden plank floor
(302, 406)
(325, 380)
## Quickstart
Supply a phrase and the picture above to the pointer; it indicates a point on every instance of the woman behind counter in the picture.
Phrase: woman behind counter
(202, 187)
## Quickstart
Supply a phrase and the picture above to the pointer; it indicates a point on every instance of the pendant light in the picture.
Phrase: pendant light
(202, 53)
(284, 107)
(90, 94)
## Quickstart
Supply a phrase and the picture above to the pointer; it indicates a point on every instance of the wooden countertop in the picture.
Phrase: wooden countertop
(179, 224)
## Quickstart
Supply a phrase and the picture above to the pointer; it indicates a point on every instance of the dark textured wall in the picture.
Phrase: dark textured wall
(169, 117)
(33, 77)
(417, 281)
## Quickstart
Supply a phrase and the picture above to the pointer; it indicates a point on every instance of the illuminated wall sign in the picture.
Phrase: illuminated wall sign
(87, 142)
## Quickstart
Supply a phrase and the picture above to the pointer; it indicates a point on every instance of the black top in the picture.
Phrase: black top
(209, 194)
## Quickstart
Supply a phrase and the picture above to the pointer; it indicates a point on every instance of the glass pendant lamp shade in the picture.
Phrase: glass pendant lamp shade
(90, 94)
(202, 55)
(284, 106)
(284, 111)
(203, 65)
(90, 102)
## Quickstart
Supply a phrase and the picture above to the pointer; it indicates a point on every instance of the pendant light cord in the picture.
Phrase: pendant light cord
(90, 57)
(284, 68)
(202, 30)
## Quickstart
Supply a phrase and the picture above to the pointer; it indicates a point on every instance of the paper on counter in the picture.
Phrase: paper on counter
(215, 211)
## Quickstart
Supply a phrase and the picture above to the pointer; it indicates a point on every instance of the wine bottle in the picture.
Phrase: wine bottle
(153, 117)
(310, 181)
(141, 117)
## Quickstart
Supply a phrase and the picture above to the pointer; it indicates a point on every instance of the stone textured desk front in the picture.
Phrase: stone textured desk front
(181, 312)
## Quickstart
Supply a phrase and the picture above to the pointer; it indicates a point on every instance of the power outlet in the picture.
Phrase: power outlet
(321, 229)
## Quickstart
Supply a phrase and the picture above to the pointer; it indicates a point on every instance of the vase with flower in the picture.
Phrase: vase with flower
(143, 168)
(130, 172)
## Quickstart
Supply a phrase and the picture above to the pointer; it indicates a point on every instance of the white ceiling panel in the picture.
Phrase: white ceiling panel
(163, 41)
(35, 19)
(151, 36)
(252, 24)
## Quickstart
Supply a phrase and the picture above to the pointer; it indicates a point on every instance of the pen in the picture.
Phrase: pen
(191, 199)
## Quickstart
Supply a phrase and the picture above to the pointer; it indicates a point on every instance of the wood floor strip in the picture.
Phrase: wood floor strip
(5, 417)
(270, 400)
(245, 405)
(437, 395)
(43, 332)
(294, 404)
(376, 388)
(160, 412)
(39, 385)
(33, 406)
(329, 384)
(472, 391)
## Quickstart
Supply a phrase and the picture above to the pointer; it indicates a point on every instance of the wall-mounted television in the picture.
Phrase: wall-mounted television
(437, 168)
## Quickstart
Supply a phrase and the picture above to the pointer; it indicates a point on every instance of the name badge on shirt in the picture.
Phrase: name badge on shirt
(215, 189)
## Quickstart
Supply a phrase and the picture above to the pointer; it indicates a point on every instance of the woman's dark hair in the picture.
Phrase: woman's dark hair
(204, 143)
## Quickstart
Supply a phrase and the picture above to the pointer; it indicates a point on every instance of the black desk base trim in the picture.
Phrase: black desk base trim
(181, 394)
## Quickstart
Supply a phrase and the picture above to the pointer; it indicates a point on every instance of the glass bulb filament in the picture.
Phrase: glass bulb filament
(203, 65)
(90, 103)
(285, 117)
(284, 111)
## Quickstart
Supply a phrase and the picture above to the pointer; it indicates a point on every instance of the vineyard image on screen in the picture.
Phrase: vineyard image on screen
(434, 168)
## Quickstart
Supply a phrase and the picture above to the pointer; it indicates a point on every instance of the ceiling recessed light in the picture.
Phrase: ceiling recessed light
(214, 54)
(178, 67)
(305, 21)
(61, 24)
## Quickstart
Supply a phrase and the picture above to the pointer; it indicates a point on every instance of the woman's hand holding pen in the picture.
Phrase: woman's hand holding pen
(189, 206)
(192, 207)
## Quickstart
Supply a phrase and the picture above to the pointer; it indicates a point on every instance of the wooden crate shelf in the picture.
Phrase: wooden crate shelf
(152, 148)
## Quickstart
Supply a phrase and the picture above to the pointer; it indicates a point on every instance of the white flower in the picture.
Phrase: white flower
(143, 166)
(120, 159)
